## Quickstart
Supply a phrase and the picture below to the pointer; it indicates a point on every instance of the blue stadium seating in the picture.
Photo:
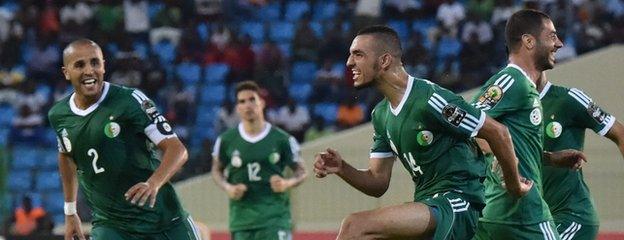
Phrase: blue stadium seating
(295, 10)
(24, 157)
(20, 181)
(165, 51)
(401, 28)
(188, 72)
(282, 32)
(216, 73)
(48, 159)
(153, 9)
(141, 48)
(286, 49)
(203, 30)
(255, 30)
(4, 136)
(300, 92)
(47, 181)
(213, 94)
(325, 10)
(53, 203)
(6, 114)
(318, 29)
(328, 111)
(269, 12)
(303, 72)
(206, 114)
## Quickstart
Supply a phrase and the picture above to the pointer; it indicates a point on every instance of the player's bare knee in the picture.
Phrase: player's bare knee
(356, 226)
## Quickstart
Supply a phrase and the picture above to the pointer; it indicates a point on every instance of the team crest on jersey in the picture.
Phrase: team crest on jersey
(554, 129)
(112, 129)
(274, 158)
(236, 160)
(536, 116)
(595, 112)
(424, 138)
(65, 140)
(453, 114)
(491, 96)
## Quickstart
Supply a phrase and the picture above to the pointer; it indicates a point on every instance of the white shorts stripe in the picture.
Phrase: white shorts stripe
(195, 231)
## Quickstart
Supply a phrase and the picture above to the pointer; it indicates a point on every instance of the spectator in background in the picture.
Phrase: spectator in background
(49, 20)
(167, 23)
(417, 57)
(27, 126)
(474, 62)
(180, 108)
(227, 117)
(28, 95)
(477, 25)
(405, 9)
(502, 11)
(305, 43)
(28, 220)
(333, 45)
(481, 8)
(269, 71)
(109, 17)
(451, 13)
(350, 114)
(209, 9)
(317, 130)
(136, 18)
(293, 118)
(44, 61)
(75, 16)
(447, 75)
(327, 82)
(239, 56)
(220, 36)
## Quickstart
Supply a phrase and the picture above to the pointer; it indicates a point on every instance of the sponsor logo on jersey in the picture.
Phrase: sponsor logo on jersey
(453, 114)
(595, 112)
(274, 158)
(150, 109)
(554, 129)
(424, 138)
(491, 96)
(66, 142)
(536, 116)
(236, 160)
(112, 129)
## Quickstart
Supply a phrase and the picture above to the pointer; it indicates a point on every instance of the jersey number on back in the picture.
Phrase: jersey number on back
(93, 153)
(252, 171)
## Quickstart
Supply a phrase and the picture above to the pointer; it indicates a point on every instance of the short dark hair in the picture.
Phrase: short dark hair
(247, 85)
(79, 42)
(526, 21)
(389, 39)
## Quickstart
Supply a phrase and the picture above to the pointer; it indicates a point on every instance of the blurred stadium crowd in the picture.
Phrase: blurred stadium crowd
(186, 55)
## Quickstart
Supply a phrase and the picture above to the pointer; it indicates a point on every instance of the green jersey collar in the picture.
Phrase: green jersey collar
(257, 138)
(523, 73)
(397, 110)
(545, 90)
(90, 109)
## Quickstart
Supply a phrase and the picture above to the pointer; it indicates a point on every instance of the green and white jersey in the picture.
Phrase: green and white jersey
(567, 113)
(431, 131)
(511, 98)
(113, 145)
(252, 160)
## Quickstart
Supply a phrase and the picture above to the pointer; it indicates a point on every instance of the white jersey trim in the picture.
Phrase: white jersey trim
(295, 148)
(410, 82)
(545, 90)
(151, 131)
(607, 127)
(216, 148)
(257, 138)
(90, 109)
(381, 154)
(523, 73)
(480, 125)
(569, 233)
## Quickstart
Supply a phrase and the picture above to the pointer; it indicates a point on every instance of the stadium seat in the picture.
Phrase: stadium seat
(328, 111)
(153, 9)
(269, 12)
(44, 90)
(295, 10)
(300, 92)
(254, 29)
(4, 136)
(165, 51)
(19, 181)
(6, 115)
(448, 47)
(24, 157)
(141, 48)
(203, 30)
(282, 32)
(48, 159)
(216, 73)
(325, 10)
(47, 181)
(188, 72)
(213, 94)
(206, 114)
(303, 72)
(53, 202)
(401, 28)
(318, 29)
(286, 49)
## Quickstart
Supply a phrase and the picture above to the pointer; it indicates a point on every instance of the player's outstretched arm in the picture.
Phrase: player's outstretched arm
(616, 134)
(500, 143)
(234, 191)
(67, 170)
(373, 181)
(279, 184)
(569, 158)
(174, 156)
